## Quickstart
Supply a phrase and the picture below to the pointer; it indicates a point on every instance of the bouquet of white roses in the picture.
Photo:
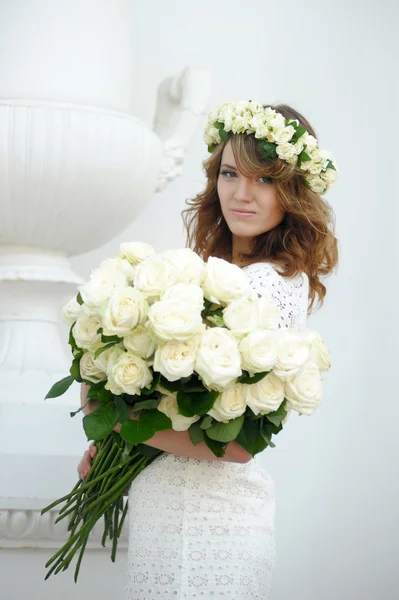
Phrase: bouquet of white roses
(184, 345)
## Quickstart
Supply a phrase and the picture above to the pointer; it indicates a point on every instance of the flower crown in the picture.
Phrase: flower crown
(278, 137)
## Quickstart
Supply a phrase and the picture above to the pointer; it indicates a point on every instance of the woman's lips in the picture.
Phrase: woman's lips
(243, 213)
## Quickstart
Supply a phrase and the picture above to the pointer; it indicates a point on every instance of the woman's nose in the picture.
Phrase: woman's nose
(243, 191)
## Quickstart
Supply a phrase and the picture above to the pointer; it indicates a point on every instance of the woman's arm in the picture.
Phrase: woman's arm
(176, 442)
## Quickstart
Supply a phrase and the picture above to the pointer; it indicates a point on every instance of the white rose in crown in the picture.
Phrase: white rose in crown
(293, 352)
(168, 405)
(224, 282)
(269, 316)
(259, 351)
(189, 293)
(241, 316)
(304, 390)
(286, 151)
(316, 183)
(266, 396)
(140, 342)
(154, 275)
(284, 135)
(218, 360)
(107, 359)
(318, 351)
(169, 321)
(230, 404)
(136, 252)
(85, 332)
(329, 176)
(175, 360)
(129, 375)
(71, 311)
(126, 309)
(89, 369)
(190, 267)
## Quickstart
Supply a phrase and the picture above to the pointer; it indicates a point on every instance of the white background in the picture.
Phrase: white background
(336, 473)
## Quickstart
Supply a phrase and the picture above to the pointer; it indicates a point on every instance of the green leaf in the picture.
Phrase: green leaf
(104, 396)
(196, 433)
(217, 320)
(303, 157)
(225, 432)
(100, 330)
(211, 148)
(146, 404)
(218, 448)
(72, 341)
(254, 379)
(60, 387)
(278, 415)
(156, 419)
(206, 422)
(192, 384)
(79, 299)
(136, 432)
(330, 165)
(247, 438)
(300, 130)
(198, 403)
(100, 423)
(218, 125)
(110, 338)
(123, 409)
(148, 450)
(224, 136)
(266, 432)
(171, 386)
(75, 369)
(269, 149)
(103, 349)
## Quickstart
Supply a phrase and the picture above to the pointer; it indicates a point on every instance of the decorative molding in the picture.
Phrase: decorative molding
(28, 528)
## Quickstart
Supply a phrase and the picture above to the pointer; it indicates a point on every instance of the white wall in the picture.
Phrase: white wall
(336, 473)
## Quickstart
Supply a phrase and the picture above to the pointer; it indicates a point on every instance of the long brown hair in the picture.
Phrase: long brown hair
(303, 241)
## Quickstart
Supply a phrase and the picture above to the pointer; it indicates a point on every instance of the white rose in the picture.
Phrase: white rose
(318, 351)
(135, 252)
(190, 266)
(316, 183)
(258, 121)
(169, 321)
(241, 316)
(285, 151)
(277, 121)
(259, 351)
(288, 411)
(239, 124)
(230, 404)
(218, 361)
(72, 310)
(284, 135)
(262, 132)
(97, 291)
(85, 332)
(266, 396)
(107, 359)
(269, 316)
(89, 369)
(168, 405)
(188, 293)
(140, 342)
(116, 270)
(129, 375)
(329, 175)
(175, 360)
(310, 142)
(224, 282)
(304, 390)
(270, 114)
(126, 309)
(293, 352)
(154, 275)
(299, 145)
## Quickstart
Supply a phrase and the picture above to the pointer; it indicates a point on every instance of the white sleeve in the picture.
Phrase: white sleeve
(291, 294)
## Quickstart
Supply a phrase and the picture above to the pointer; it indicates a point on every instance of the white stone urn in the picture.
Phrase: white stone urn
(75, 168)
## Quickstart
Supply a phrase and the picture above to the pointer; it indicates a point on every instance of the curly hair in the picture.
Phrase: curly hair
(303, 242)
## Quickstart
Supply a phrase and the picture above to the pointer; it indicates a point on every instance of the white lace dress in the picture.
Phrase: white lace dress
(204, 530)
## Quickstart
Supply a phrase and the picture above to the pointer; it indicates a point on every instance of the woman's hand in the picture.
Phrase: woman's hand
(85, 464)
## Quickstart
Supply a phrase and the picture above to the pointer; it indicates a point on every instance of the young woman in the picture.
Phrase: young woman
(202, 526)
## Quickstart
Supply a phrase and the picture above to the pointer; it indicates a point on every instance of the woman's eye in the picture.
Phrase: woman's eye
(228, 173)
(265, 180)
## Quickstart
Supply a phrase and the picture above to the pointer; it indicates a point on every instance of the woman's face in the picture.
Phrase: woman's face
(249, 205)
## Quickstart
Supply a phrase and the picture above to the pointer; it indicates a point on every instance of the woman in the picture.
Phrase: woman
(202, 526)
